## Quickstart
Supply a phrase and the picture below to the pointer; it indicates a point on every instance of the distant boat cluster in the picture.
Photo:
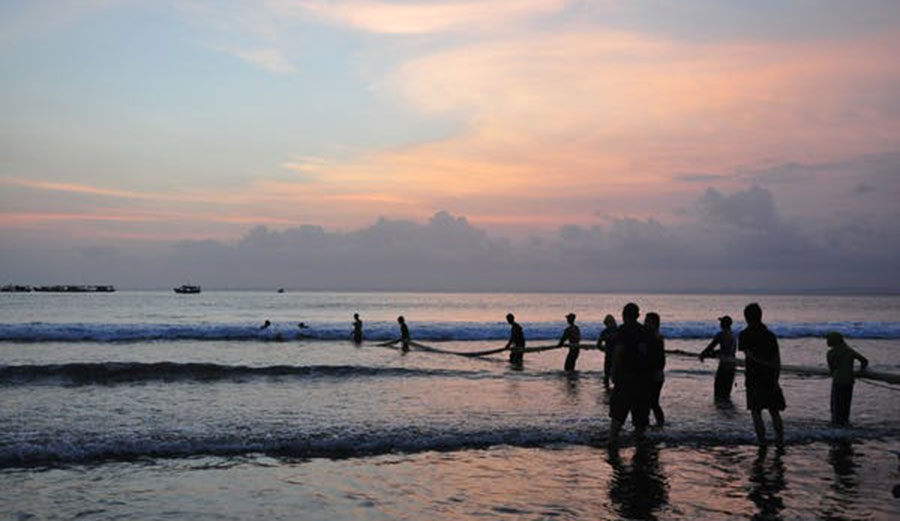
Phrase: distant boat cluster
(11, 288)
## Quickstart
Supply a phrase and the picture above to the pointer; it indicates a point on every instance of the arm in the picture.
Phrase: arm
(710, 349)
(863, 361)
(564, 338)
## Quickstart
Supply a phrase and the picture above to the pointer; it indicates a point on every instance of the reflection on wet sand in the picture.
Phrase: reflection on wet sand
(767, 483)
(846, 482)
(638, 490)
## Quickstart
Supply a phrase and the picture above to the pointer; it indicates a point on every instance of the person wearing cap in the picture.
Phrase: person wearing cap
(761, 371)
(516, 344)
(725, 340)
(840, 365)
(571, 336)
(605, 344)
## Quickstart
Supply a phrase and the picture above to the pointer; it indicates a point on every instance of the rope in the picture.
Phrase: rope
(877, 384)
(458, 353)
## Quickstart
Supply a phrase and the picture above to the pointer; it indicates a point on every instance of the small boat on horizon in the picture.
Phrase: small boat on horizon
(187, 289)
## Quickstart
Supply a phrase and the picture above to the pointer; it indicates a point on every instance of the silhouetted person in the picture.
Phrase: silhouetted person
(726, 352)
(404, 334)
(571, 336)
(762, 369)
(840, 365)
(357, 329)
(516, 344)
(265, 325)
(656, 349)
(605, 344)
(631, 382)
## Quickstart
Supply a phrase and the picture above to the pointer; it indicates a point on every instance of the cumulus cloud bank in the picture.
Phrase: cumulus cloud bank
(731, 242)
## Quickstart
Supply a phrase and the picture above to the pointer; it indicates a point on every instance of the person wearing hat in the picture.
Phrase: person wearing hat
(725, 340)
(840, 365)
(571, 336)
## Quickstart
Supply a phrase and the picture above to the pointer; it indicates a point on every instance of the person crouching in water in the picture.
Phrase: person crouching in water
(631, 380)
(656, 349)
(516, 344)
(725, 373)
(605, 344)
(571, 336)
(761, 372)
(840, 365)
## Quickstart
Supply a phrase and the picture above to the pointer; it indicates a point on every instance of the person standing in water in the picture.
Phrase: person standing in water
(631, 382)
(840, 365)
(761, 372)
(605, 344)
(516, 344)
(571, 336)
(725, 373)
(656, 351)
(357, 329)
(404, 334)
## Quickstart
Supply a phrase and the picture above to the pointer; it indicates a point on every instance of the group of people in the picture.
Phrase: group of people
(635, 361)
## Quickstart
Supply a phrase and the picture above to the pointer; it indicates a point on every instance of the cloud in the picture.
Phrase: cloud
(270, 60)
(735, 241)
(422, 17)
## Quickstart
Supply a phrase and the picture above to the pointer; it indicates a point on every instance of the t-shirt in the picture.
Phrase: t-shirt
(631, 352)
(572, 334)
(517, 336)
(840, 364)
(763, 364)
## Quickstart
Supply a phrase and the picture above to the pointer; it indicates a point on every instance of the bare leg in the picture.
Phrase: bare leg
(759, 426)
(615, 427)
(778, 426)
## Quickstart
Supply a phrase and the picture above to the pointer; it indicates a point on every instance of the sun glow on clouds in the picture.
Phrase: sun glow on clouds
(554, 119)
(422, 17)
(618, 113)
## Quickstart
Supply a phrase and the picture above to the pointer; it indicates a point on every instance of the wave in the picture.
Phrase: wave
(134, 372)
(381, 331)
(129, 447)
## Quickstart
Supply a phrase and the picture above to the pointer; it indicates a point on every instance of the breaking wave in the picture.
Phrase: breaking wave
(380, 331)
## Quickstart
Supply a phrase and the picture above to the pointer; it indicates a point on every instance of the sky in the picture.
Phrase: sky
(527, 145)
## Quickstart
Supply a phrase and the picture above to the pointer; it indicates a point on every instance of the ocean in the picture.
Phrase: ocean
(152, 405)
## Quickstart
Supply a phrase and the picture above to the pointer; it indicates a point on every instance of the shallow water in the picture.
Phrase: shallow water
(836, 480)
(317, 428)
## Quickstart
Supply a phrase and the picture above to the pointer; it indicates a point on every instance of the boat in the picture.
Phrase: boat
(187, 289)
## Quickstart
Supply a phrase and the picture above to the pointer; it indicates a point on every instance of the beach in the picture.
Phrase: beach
(150, 405)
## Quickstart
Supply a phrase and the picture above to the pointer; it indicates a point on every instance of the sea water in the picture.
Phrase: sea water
(151, 405)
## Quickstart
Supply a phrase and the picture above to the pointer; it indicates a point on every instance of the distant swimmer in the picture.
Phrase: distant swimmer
(761, 372)
(727, 344)
(404, 334)
(571, 336)
(631, 380)
(840, 365)
(265, 325)
(605, 344)
(516, 344)
(656, 350)
(357, 329)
